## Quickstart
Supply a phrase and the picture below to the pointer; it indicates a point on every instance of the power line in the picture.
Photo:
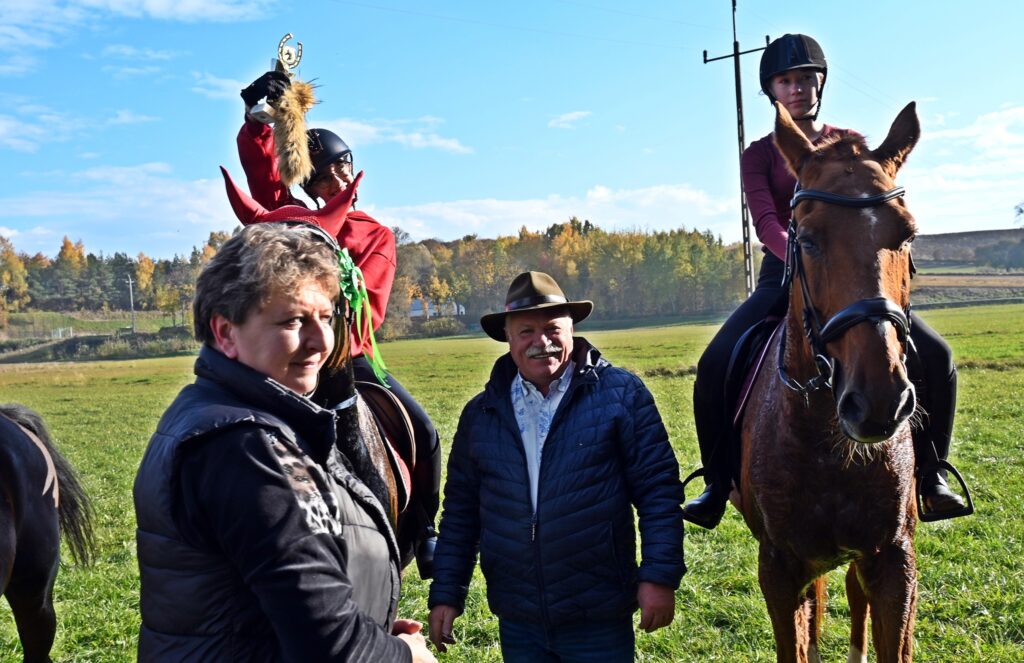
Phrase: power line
(657, 19)
(517, 28)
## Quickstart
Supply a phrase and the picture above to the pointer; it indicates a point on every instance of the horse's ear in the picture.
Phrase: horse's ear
(903, 135)
(792, 142)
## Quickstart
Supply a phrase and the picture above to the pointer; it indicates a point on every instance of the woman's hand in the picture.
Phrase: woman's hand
(417, 644)
(408, 626)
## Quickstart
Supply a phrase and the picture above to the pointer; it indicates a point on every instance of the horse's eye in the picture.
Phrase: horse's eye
(807, 243)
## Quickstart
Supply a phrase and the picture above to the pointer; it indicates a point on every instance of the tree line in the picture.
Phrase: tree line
(627, 274)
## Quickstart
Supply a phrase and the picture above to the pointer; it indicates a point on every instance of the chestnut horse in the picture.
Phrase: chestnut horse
(827, 470)
(40, 499)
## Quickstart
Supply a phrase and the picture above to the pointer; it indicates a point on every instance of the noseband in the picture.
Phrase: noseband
(862, 310)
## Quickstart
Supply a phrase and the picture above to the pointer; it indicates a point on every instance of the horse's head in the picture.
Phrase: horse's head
(850, 259)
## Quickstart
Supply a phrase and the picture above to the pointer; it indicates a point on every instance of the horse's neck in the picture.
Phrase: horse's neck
(337, 389)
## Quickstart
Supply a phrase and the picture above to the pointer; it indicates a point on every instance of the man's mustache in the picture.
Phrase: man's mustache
(549, 350)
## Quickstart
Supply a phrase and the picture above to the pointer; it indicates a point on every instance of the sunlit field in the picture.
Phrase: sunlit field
(971, 582)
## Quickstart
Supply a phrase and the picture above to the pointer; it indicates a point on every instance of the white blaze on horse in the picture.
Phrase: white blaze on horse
(827, 471)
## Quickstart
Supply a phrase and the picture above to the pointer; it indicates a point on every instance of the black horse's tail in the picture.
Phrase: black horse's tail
(74, 511)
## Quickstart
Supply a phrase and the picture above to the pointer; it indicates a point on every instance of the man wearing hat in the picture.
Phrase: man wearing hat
(546, 467)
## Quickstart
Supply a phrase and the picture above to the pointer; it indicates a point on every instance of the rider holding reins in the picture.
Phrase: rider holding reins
(793, 71)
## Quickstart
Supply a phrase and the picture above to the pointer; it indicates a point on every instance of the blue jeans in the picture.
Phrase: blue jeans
(592, 642)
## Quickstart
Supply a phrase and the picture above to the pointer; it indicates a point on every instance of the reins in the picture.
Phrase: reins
(870, 309)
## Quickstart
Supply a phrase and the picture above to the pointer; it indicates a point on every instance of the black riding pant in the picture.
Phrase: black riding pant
(710, 411)
(933, 375)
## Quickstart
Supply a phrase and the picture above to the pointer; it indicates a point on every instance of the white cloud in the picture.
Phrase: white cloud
(131, 72)
(968, 177)
(215, 87)
(129, 208)
(416, 133)
(660, 207)
(130, 117)
(567, 120)
(8, 232)
(38, 125)
(26, 25)
(16, 64)
(127, 52)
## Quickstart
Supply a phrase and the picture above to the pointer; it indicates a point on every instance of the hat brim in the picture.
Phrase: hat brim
(493, 324)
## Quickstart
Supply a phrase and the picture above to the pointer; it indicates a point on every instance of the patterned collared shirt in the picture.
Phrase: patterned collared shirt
(534, 413)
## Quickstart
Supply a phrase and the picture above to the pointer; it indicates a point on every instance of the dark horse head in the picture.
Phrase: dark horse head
(849, 259)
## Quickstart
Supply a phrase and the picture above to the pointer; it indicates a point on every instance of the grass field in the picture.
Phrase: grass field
(971, 599)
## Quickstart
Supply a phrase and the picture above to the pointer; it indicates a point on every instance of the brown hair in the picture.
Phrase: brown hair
(258, 262)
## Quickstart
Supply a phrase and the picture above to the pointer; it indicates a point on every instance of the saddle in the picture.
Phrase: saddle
(744, 366)
(391, 446)
(390, 443)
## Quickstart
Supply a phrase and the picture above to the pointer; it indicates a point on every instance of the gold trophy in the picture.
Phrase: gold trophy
(287, 59)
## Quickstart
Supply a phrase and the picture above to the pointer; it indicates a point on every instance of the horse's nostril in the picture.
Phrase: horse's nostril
(853, 408)
(908, 402)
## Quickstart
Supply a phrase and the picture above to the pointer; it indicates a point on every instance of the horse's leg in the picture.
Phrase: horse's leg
(817, 595)
(35, 617)
(781, 580)
(30, 591)
(890, 582)
(858, 617)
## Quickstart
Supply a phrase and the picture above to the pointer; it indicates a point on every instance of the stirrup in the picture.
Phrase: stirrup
(699, 472)
(926, 516)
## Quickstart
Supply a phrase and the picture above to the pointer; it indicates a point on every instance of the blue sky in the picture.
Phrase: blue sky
(482, 117)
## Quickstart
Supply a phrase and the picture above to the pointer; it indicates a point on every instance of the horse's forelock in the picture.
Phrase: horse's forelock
(838, 148)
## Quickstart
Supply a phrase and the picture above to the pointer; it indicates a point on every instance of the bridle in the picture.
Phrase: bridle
(871, 309)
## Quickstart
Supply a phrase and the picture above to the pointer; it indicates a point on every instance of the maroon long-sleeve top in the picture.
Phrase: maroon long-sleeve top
(768, 186)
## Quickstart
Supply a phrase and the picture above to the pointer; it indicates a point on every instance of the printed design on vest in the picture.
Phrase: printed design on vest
(306, 479)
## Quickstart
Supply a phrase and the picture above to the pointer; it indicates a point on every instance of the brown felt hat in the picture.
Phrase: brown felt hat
(531, 291)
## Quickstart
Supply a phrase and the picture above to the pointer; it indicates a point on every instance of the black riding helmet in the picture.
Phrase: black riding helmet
(790, 52)
(325, 148)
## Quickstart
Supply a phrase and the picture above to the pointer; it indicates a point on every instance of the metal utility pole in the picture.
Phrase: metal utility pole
(748, 252)
(131, 300)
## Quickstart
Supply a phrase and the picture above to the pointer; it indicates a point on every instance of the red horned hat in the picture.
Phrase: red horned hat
(330, 217)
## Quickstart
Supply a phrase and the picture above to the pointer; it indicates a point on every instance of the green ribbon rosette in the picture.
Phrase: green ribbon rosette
(353, 288)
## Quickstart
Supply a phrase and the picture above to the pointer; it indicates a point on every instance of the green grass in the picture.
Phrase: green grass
(971, 580)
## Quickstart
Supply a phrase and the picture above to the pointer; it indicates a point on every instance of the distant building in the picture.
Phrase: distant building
(449, 308)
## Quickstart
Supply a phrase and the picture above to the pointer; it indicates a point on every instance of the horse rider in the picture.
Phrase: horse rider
(372, 247)
(255, 542)
(543, 474)
(793, 71)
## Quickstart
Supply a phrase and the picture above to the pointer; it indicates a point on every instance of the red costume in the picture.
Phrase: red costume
(371, 245)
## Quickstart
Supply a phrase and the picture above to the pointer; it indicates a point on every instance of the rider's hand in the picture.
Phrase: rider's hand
(269, 86)
(440, 623)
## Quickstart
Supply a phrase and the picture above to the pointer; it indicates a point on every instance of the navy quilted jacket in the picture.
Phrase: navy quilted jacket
(575, 558)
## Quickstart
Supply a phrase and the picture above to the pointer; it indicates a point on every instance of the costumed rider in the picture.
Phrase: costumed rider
(274, 158)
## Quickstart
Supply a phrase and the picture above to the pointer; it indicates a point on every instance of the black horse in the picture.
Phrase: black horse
(40, 499)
